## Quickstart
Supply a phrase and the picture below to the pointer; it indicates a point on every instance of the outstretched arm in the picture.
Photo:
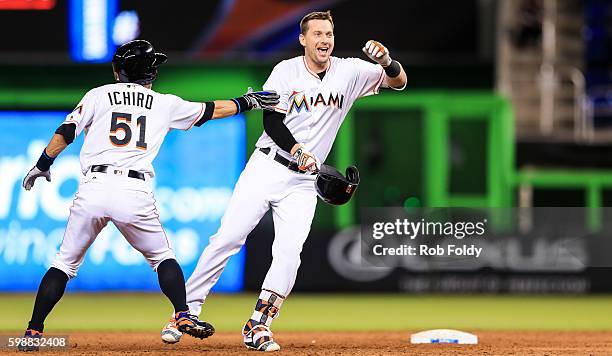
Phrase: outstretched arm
(251, 100)
(223, 108)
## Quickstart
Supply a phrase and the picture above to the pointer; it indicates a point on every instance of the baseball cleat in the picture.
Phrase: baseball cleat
(259, 338)
(30, 334)
(192, 326)
(170, 334)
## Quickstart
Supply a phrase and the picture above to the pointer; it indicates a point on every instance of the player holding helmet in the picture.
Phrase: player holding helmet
(316, 90)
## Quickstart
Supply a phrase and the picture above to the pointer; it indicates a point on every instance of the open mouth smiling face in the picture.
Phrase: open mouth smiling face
(319, 40)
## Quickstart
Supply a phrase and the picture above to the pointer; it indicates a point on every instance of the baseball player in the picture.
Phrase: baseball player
(125, 124)
(316, 92)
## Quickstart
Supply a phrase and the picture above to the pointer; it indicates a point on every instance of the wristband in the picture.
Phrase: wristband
(242, 104)
(44, 162)
(393, 70)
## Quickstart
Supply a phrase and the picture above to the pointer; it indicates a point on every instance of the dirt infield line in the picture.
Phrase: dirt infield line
(344, 343)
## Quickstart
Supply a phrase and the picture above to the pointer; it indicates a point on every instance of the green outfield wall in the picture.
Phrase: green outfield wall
(410, 127)
(419, 147)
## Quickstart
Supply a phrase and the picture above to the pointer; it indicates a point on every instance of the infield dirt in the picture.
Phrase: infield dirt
(343, 343)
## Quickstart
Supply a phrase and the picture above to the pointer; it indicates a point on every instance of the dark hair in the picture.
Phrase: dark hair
(319, 15)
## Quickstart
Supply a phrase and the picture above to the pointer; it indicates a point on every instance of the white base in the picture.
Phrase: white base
(443, 336)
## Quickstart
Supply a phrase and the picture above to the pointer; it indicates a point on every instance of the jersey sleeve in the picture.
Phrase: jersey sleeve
(184, 114)
(83, 114)
(368, 77)
(277, 81)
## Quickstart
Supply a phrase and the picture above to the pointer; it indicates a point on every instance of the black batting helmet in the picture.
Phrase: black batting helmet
(137, 62)
(333, 187)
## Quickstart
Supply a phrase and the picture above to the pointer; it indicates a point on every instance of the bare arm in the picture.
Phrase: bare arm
(224, 108)
(56, 146)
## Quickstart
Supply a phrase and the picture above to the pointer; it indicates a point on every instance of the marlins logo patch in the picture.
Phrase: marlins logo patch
(297, 101)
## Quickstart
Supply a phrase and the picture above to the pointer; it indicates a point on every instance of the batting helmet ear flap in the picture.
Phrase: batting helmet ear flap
(352, 175)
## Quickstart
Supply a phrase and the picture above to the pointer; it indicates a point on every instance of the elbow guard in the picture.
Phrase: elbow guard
(68, 131)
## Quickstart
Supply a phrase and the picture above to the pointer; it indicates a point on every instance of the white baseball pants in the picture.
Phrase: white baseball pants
(128, 203)
(263, 184)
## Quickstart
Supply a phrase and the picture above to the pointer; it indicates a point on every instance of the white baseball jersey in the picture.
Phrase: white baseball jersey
(314, 111)
(125, 124)
(316, 108)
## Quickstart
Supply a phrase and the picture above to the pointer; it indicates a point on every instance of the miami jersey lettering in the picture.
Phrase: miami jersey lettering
(315, 108)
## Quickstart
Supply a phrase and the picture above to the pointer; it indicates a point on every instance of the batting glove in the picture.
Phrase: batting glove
(377, 52)
(30, 178)
(266, 100)
(307, 161)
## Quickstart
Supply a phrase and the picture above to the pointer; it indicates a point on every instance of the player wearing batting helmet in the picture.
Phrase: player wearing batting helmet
(316, 91)
(125, 124)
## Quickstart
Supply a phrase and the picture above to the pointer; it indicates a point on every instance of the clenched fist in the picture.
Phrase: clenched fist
(377, 52)
(306, 161)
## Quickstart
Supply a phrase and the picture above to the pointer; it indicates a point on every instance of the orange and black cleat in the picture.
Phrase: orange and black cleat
(192, 326)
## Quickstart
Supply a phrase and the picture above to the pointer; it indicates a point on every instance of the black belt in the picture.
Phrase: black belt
(291, 165)
(131, 173)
